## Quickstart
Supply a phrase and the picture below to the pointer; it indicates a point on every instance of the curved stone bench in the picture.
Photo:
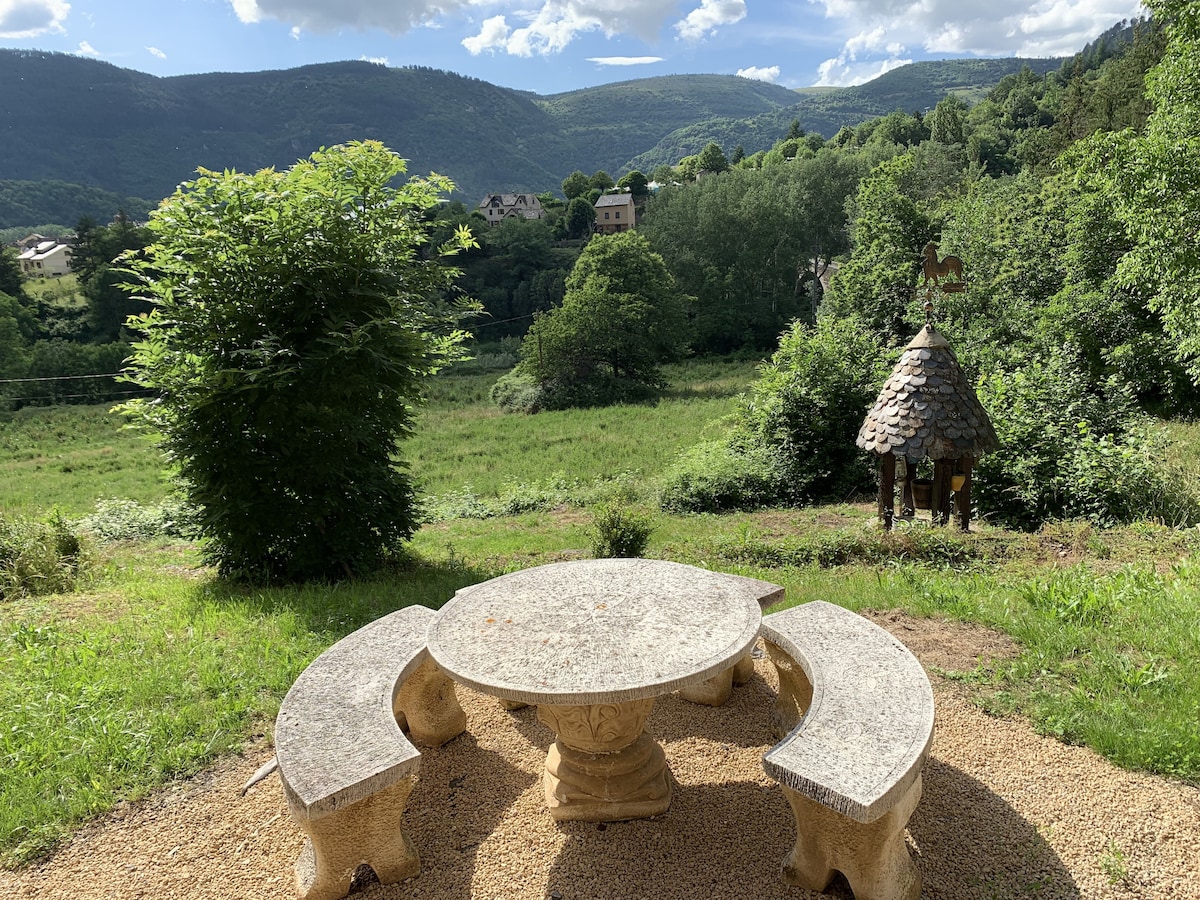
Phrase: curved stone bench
(347, 767)
(856, 712)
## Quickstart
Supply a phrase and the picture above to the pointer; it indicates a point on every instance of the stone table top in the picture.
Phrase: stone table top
(595, 631)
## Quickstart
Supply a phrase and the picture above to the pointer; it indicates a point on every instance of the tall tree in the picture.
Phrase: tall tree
(601, 181)
(575, 185)
(890, 225)
(712, 159)
(580, 217)
(622, 317)
(1154, 180)
(296, 317)
(636, 182)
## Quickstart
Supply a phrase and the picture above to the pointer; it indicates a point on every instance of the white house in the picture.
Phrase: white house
(46, 259)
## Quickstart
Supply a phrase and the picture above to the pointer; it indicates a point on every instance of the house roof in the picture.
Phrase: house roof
(927, 408)
(510, 200)
(44, 250)
(614, 200)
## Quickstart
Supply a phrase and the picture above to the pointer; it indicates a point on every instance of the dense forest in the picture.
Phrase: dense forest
(137, 135)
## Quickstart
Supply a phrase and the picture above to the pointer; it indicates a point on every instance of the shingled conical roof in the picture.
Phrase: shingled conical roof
(927, 408)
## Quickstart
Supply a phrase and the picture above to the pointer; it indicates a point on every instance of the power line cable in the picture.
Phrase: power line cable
(56, 378)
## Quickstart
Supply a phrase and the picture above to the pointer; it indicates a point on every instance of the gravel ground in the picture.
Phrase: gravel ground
(1005, 813)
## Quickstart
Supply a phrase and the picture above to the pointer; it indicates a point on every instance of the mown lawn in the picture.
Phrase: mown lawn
(153, 666)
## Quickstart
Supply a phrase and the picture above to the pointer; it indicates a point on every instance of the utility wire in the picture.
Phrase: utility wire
(56, 378)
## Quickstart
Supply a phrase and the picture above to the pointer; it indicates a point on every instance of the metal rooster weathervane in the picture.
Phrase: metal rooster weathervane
(935, 270)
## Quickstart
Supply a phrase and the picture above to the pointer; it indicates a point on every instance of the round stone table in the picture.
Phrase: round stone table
(592, 643)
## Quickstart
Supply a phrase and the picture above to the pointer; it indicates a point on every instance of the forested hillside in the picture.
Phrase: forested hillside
(90, 123)
(912, 88)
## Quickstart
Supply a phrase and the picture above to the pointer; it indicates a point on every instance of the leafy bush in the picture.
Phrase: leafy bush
(716, 477)
(38, 557)
(618, 531)
(1071, 449)
(127, 520)
(297, 317)
(515, 392)
(792, 436)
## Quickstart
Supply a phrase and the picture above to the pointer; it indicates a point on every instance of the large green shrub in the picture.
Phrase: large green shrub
(297, 315)
(792, 436)
(717, 477)
(621, 318)
(1071, 449)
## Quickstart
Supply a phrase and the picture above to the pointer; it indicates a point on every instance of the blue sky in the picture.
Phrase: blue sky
(550, 46)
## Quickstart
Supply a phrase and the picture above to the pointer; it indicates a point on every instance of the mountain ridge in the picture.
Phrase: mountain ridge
(89, 122)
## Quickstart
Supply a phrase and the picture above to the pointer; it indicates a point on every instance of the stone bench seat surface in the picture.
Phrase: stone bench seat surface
(336, 736)
(861, 743)
(597, 631)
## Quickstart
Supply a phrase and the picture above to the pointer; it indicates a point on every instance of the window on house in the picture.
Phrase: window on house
(618, 214)
(606, 215)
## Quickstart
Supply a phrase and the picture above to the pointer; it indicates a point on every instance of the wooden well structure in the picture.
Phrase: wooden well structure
(927, 410)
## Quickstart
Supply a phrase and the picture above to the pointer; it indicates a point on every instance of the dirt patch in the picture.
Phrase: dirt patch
(946, 645)
(1005, 813)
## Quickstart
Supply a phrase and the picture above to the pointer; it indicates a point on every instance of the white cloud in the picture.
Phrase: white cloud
(86, 49)
(518, 27)
(377, 60)
(624, 60)
(246, 10)
(558, 22)
(393, 16)
(756, 73)
(843, 72)
(493, 35)
(155, 52)
(708, 16)
(29, 18)
(877, 33)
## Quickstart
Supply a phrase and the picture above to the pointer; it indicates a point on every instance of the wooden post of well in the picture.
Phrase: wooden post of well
(887, 490)
(964, 496)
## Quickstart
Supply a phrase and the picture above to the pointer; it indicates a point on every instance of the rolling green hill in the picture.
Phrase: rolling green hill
(915, 87)
(90, 123)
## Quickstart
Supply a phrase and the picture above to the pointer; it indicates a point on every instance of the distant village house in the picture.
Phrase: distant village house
(614, 212)
(498, 207)
(45, 259)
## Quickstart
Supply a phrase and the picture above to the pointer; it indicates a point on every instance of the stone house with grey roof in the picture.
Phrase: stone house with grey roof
(615, 212)
(498, 207)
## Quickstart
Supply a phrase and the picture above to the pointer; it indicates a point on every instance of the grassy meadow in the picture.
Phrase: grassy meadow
(152, 666)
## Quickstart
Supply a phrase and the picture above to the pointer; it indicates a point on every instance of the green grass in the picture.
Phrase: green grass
(61, 291)
(463, 440)
(154, 672)
(154, 667)
(71, 456)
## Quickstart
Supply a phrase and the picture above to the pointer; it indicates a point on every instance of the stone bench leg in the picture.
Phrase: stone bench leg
(427, 705)
(369, 832)
(717, 689)
(795, 691)
(872, 856)
(604, 766)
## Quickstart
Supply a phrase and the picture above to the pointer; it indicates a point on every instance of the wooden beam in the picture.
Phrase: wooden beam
(887, 490)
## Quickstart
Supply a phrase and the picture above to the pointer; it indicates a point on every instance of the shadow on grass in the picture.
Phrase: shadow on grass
(335, 609)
